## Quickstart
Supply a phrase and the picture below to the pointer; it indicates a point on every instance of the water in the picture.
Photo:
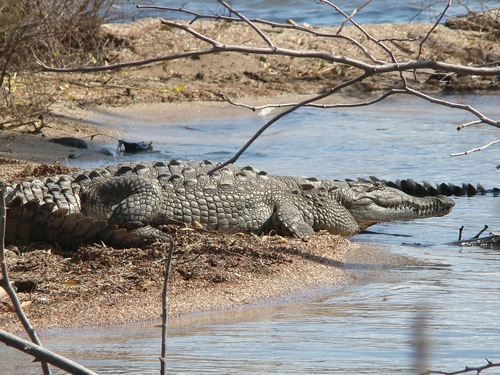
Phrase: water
(309, 11)
(401, 137)
(367, 327)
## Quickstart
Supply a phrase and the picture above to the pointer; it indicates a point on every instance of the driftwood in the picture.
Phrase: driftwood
(491, 241)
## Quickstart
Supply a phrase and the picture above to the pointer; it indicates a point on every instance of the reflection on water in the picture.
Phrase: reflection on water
(367, 327)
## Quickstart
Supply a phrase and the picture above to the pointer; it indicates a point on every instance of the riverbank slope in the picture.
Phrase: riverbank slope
(101, 285)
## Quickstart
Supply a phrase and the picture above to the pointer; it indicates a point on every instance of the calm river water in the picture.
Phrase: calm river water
(367, 327)
(313, 13)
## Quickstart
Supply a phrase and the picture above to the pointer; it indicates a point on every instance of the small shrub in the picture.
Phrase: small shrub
(57, 32)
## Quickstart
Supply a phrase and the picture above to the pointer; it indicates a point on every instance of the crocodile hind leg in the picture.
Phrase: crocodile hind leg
(131, 202)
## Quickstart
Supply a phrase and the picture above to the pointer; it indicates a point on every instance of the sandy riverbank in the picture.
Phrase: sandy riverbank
(99, 285)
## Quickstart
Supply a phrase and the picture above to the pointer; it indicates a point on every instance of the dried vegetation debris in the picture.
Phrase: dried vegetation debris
(99, 284)
(13, 169)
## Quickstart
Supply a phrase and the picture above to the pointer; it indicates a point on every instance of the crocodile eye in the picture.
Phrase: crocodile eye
(377, 185)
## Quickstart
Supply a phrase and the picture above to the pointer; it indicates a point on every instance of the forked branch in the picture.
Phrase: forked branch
(367, 67)
(477, 370)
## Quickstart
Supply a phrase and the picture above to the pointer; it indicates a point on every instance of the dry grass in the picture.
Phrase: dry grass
(59, 32)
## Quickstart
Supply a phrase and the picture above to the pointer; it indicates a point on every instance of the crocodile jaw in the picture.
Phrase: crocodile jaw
(379, 204)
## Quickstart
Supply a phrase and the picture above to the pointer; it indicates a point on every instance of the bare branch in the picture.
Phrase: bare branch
(477, 370)
(421, 44)
(476, 149)
(290, 25)
(470, 123)
(310, 103)
(372, 68)
(313, 105)
(349, 18)
(102, 68)
(250, 23)
(407, 90)
(465, 107)
(193, 32)
(218, 47)
(40, 353)
(5, 283)
(288, 111)
(360, 28)
(164, 316)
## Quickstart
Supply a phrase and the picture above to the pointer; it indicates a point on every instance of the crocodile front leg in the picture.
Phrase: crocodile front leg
(288, 220)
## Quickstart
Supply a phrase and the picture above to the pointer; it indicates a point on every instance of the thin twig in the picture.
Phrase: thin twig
(290, 25)
(431, 30)
(5, 282)
(470, 123)
(476, 149)
(362, 29)
(352, 15)
(314, 105)
(446, 103)
(477, 370)
(378, 68)
(282, 114)
(164, 316)
(249, 23)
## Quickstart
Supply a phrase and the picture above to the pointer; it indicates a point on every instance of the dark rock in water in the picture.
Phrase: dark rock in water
(70, 142)
(134, 147)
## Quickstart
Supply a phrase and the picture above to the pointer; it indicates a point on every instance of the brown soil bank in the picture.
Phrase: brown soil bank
(101, 285)
(239, 75)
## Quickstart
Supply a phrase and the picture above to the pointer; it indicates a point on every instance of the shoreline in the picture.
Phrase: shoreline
(287, 270)
(102, 285)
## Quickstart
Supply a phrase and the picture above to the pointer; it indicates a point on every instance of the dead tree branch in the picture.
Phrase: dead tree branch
(5, 283)
(291, 25)
(41, 354)
(354, 12)
(218, 48)
(476, 149)
(164, 316)
(431, 30)
(477, 370)
(249, 23)
(282, 114)
(370, 66)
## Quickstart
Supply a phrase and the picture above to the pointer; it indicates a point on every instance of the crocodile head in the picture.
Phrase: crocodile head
(372, 203)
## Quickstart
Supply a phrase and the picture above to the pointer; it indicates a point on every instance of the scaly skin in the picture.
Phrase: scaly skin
(140, 196)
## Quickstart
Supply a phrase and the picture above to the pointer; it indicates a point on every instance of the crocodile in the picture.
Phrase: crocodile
(123, 204)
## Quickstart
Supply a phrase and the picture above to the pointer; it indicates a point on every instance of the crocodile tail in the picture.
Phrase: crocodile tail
(32, 222)
(425, 188)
